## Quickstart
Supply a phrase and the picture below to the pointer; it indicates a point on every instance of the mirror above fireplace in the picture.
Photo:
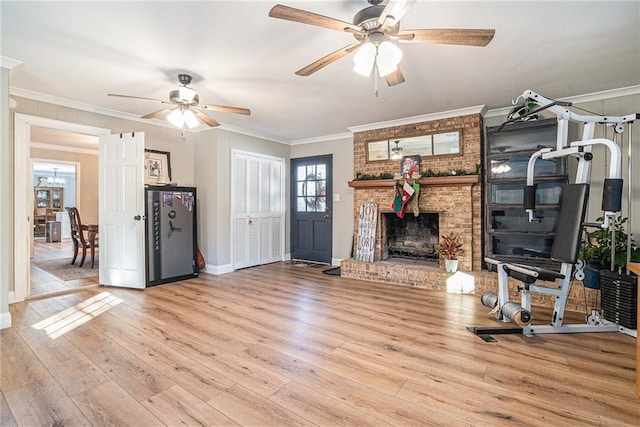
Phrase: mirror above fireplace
(433, 144)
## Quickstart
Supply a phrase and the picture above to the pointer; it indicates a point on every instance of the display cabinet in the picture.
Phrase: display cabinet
(49, 198)
(509, 236)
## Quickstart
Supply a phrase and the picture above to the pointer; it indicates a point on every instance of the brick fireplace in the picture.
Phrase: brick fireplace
(457, 201)
(454, 200)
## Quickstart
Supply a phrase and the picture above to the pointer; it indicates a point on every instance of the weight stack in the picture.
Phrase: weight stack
(619, 294)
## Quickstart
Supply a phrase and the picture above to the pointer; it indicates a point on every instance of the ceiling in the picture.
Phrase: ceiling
(80, 51)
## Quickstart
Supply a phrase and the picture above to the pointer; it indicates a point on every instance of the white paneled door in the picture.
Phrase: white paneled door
(257, 209)
(121, 210)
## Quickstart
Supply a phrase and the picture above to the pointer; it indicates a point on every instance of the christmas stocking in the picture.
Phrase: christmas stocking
(414, 200)
(407, 192)
(397, 199)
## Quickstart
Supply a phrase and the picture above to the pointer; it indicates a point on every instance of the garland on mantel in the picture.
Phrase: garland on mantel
(426, 174)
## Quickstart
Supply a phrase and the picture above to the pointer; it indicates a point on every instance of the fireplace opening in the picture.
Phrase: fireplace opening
(410, 237)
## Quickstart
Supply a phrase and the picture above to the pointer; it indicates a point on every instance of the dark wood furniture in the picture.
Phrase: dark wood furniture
(508, 234)
(78, 230)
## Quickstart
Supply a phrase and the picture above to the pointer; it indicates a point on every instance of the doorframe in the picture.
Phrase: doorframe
(232, 204)
(21, 195)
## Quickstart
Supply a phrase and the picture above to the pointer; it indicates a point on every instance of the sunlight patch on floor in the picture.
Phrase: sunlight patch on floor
(59, 324)
(461, 283)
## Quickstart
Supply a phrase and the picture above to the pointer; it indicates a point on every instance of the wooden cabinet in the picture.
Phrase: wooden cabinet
(49, 198)
(509, 236)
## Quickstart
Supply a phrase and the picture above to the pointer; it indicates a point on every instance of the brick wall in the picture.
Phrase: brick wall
(470, 125)
(459, 206)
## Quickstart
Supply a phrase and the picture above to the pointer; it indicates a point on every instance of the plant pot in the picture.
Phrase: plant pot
(591, 276)
(451, 265)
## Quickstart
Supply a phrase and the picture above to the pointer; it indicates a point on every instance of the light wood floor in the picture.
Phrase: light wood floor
(285, 345)
(43, 283)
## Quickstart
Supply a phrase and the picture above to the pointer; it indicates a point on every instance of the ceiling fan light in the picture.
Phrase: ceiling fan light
(186, 94)
(364, 58)
(190, 119)
(389, 56)
(176, 118)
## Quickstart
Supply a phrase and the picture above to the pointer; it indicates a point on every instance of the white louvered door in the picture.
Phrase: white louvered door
(258, 209)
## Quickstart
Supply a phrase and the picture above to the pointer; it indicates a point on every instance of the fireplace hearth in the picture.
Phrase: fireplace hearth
(410, 237)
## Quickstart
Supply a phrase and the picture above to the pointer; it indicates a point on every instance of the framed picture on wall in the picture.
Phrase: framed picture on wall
(157, 167)
(377, 151)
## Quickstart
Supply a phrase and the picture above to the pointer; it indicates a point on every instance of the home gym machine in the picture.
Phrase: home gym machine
(568, 228)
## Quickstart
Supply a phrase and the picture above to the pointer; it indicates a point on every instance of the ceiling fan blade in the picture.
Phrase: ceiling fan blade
(465, 37)
(395, 78)
(206, 119)
(326, 60)
(137, 97)
(393, 12)
(225, 109)
(310, 18)
(158, 113)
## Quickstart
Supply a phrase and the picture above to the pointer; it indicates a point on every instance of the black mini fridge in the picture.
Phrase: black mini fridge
(171, 230)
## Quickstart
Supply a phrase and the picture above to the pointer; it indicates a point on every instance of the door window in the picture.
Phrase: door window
(311, 182)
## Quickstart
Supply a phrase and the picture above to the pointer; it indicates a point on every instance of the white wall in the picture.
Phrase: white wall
(212, 167)
(343, 172)
(6, 208)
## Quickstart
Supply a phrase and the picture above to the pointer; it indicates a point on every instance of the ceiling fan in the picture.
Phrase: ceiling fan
(375, 29)
(185, 109)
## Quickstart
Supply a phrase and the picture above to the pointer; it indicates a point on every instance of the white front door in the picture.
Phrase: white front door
(122, 210)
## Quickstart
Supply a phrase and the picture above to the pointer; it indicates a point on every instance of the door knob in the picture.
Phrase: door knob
(137, 217)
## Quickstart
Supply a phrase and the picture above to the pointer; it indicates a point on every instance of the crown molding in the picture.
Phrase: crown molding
(63, 102)
(6, 62)
(251, 133)
(478, 109)
(54, 147)
(578, 99)
(324, 138)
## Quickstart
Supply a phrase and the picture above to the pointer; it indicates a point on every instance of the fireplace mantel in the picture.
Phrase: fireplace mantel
(453, 180)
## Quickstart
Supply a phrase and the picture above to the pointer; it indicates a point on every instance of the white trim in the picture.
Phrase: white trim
(578, 99)
(9, 63)
(23, 191)
(37, 96)
(218, 269)
(12, 297)
(287, 257)
(325, 138)
(478, 109)
(54, 147)
(251, 133)
(336, 261)
(5, 320)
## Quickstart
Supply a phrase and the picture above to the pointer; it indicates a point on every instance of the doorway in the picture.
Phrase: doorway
(311, 209)
(25, 127)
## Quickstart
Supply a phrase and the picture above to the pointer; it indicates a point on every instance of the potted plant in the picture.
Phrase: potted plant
(596, 251)
(450, 248)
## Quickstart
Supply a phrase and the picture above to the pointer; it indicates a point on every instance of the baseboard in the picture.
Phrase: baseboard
(336, 261)
(5, 320)
(12, 297)
(287, 257)
(218, 269)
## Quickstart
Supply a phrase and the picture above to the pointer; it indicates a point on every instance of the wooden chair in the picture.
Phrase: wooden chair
(78, 230)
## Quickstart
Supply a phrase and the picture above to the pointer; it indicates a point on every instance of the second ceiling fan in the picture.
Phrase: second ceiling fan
(375, 29)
